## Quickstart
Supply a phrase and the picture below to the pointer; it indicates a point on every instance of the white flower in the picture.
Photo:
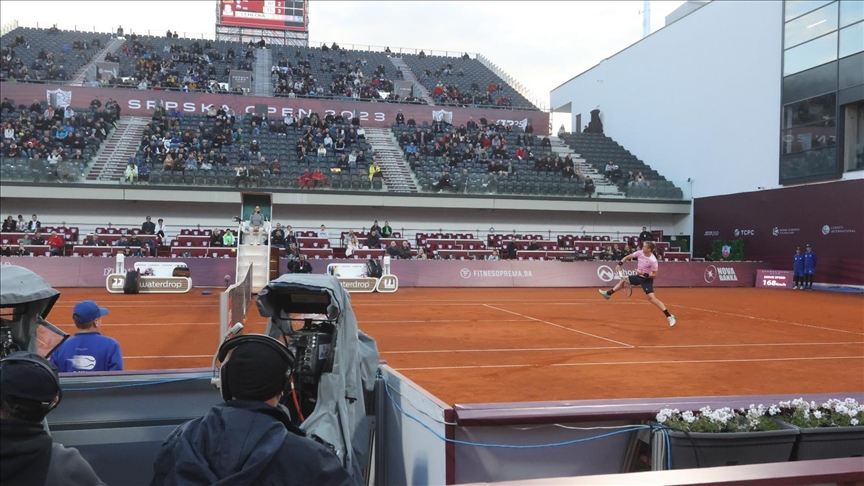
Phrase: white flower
(854, 421)
(688, 417)
(773, 410)
(817, 414)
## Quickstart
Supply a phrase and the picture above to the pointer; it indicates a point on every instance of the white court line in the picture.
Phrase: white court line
(559, 326)
(628, 363)
(177, 356)
(502, 350)
(370, 321)
(616, 348)
(745, 345)
(771, 320)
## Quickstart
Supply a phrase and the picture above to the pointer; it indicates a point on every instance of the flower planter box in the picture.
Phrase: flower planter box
(701, 449)
(827, 443)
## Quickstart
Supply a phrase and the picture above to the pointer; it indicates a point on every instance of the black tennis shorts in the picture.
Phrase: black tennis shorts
(647, 284)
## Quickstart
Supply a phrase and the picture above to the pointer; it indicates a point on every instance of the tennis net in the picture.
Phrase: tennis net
(234, 302)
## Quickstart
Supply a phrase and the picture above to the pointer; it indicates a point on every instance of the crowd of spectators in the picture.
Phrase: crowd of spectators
(296, 77)
(54, 139)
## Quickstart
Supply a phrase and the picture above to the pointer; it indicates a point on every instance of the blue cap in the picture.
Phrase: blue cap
(87, 311)
(808, 245)
(798, 248)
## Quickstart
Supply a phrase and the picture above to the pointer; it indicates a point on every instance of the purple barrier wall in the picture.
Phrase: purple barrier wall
(210, 272)
(91, 272)
(772, 223)
(142, 102)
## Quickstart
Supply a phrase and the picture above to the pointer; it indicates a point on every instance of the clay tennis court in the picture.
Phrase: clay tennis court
(509, 345)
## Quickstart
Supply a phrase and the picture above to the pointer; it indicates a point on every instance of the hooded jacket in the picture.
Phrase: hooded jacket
(29, 457)
(242, 442)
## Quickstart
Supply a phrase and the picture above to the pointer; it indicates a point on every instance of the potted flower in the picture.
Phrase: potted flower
(831, 430)
(724, 437)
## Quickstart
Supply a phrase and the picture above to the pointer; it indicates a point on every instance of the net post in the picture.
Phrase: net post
(223, 314)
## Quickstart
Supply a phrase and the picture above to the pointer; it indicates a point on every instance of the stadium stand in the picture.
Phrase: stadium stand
(466, 154)
(180, 64)
(598, 149)
(462, 81)
(42, 144)
(333, 73)
(254, 152)
(40, 55)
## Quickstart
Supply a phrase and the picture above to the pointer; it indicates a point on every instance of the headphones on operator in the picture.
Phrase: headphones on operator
(227, 346)
(45, 406)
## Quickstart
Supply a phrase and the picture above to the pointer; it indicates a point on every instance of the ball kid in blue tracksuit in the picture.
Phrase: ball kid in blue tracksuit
(809, 267)
(798, 270)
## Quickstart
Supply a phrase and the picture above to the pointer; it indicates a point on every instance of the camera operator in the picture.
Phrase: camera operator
(249, 439)
(29, 390)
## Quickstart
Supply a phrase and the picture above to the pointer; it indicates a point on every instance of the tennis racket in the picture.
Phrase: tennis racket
(626, 287)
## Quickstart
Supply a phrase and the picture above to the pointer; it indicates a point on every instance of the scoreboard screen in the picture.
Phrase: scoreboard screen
(264, 14)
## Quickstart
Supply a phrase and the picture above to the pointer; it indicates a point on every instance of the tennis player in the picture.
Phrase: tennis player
(646, 267)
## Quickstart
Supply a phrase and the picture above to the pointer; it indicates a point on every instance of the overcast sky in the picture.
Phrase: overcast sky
(541, 44)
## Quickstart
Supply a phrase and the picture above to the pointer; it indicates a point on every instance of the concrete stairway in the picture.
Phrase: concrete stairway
(110, 161)
(261, 73)
(394, 167)
(80, 76)
(408, 74)
(604, 187)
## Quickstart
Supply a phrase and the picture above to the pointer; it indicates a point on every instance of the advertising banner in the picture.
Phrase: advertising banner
(774, 279)
(71, 272)
(135, 102)
(772, 224)
(158, 269)
(107, 69)
(150, 285)
(240, 79)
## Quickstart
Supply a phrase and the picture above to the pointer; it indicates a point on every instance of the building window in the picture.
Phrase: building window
(814, 110)
(852, 39)
(813, 53)
(811, 164)
(851, 11)
(797, 8)
(809, 137)
(810, 26)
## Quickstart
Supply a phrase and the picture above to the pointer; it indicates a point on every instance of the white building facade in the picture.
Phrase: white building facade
(736, 96)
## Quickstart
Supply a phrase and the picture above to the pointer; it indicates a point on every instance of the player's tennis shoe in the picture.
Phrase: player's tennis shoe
(604, 294)
(671, 320)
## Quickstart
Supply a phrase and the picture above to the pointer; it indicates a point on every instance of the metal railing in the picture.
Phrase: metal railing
(519, 87)
(8, 27)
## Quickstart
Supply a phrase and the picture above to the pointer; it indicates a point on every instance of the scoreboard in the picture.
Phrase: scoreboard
(264, 14)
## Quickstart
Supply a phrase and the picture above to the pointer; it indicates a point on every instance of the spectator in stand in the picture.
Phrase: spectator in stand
(290, 237)
(21, 250)
(56, 244)
(215, 238)
(373, 241)
(386, 231)
(88, 350)
(352, 246)
(228, 239)
(5, 250)
(160, 228)
(645, 235)
(494, 256)
(37, 239)
(511, 249)
(589, 186)
(617, 254)
(122, 242)
(33, 224)
(8, 225)
(89, 240)
(21, 225)
(444, 181)
(300, 265)
(421, 253)
(292, 252)
(25, 240)
(277, 236)
(393, 250)
(405, 250)
(374, 171)
(375, 227)
(148, 227)
(322, 233)
(28, 454)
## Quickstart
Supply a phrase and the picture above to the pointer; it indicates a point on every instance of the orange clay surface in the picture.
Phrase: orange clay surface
(515, 345)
